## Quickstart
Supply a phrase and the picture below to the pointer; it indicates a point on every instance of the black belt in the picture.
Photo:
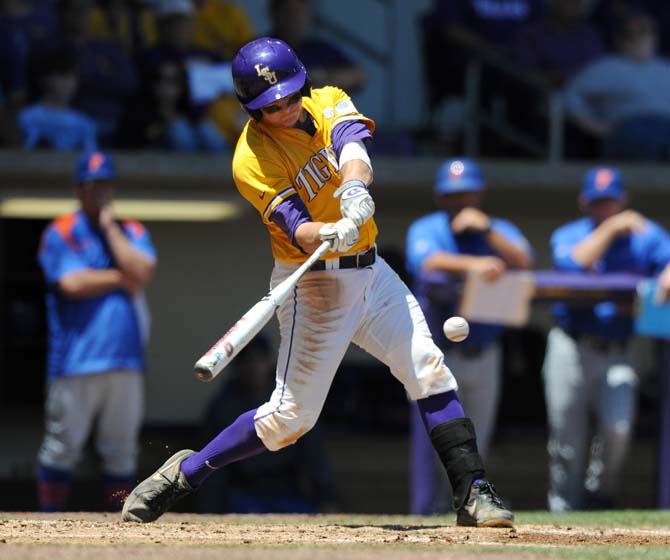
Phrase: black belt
(360, 260)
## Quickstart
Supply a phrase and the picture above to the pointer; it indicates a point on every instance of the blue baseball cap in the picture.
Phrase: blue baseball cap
(602, 182)
(94, 166)
(458, 175)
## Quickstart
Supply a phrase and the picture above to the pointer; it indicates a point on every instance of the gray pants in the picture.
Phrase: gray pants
(112, 402)
(584, 383)
(479, 389)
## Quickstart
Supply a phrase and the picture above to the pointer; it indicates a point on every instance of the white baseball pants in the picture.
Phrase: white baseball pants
(327, 311)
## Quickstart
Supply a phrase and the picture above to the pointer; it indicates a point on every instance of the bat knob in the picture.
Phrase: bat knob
(203, 373)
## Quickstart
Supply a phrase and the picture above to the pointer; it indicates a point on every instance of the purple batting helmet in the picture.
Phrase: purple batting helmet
(458, 175)
(266, 70)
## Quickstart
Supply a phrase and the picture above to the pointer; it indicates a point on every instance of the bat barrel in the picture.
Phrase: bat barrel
(203, 373)
(223, 352)
(211, 364)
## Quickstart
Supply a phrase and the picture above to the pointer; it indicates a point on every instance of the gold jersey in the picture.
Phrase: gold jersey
(272, 164)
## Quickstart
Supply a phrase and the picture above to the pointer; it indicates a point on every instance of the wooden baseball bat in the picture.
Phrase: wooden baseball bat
(248, 326)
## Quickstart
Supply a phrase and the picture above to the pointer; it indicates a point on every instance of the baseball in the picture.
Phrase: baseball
(456, 329)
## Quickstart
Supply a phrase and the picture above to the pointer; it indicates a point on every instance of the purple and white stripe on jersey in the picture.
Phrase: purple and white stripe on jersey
(349, 131)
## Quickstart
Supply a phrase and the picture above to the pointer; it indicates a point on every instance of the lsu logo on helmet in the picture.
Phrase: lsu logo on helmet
(265, 73)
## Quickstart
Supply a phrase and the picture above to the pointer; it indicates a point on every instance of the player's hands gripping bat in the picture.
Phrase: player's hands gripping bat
(248, 326)
(355, 201)
(342, 235)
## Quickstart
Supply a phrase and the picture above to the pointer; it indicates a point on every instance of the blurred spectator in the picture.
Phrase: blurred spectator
(559, 45)
(589, 369)
(296, 479)
(95, 268)
(459, 239)
(606, 16)
(130, 23)
(22, 23)
(166, 70)
(174, 41)
(456, 31)
(221, 27)
(161, 117)
(325, 62)
(52, 122)
(107, 77)
(623, 98)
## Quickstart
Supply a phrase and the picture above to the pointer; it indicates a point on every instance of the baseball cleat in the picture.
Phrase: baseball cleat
(155, 495)
(484, 508)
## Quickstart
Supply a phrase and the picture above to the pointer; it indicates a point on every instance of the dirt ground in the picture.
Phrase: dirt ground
(185, 536)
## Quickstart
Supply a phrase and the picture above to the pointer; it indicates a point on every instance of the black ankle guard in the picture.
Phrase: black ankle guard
(456, 444)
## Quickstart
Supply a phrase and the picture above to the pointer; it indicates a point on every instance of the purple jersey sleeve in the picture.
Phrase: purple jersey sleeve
(348, 131)
(289, 214)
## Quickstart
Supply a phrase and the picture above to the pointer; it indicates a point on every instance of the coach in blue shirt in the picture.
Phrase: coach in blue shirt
(588, 368)
(95, 269)
(458, 239)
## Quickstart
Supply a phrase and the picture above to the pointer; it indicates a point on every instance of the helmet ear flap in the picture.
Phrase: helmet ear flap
(306, 89)
(255, 114)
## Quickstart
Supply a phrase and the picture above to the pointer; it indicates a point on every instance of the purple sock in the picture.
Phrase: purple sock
(437, 409)
(238, 441)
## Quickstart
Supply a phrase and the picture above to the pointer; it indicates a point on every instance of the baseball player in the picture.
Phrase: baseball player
(458, 239)
(589, 368)
(95, 268)
(302, 162)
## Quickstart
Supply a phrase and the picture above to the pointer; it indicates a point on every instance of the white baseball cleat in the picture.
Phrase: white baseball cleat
(155, 495)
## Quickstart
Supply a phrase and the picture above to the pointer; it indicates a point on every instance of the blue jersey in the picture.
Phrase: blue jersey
(432, 233)
(96, 334)
(645, 253)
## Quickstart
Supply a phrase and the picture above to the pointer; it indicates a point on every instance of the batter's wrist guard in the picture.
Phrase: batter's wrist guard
(353, 183)
(456, 444)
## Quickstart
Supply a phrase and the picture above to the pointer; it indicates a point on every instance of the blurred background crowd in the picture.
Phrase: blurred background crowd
(597, 68)
(78, 74)
(580, 78)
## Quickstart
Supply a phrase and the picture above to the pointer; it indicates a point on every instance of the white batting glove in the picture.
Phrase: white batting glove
(355, 201)
(343, 235)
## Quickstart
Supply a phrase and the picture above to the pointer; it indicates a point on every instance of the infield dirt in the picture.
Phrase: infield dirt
(185, 536)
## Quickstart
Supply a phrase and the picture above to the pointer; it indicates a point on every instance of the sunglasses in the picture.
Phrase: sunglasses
(291, 100)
